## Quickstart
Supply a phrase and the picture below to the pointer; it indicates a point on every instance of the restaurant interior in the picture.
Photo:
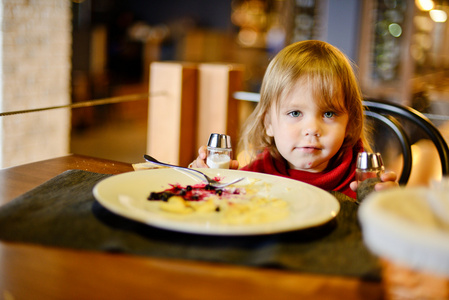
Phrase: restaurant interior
(90, 86)
(398, 48)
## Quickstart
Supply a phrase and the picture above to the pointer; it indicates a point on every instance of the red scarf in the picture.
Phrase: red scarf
(336, 177)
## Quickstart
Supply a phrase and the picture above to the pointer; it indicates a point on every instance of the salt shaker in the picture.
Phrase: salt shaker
(369, 169)
(219, 151)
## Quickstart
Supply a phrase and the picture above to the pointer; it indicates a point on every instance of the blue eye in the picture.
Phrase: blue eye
(329, 114)
(295, 114)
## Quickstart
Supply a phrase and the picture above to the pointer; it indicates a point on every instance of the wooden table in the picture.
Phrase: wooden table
(38, 272)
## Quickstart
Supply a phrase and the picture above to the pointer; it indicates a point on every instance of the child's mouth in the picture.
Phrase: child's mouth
(310, 149)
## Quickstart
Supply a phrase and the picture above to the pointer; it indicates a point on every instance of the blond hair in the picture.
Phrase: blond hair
(329, 74)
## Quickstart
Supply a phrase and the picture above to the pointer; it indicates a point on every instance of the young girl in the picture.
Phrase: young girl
(309, 123)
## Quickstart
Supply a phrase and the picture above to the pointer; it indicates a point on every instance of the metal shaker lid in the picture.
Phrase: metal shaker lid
(366, 160)
(217, 140)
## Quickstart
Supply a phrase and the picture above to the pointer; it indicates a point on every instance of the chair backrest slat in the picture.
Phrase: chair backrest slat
(418, 119)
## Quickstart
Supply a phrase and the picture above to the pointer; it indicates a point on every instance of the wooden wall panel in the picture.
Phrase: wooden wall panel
(188, 102)
(172, 112)
(218, 110)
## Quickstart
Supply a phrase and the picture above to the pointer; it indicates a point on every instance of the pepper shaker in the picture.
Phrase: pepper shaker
(219, 151)
(369, 169)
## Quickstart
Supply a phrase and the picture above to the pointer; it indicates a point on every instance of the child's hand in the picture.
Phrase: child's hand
(200, 161)
(388, 181)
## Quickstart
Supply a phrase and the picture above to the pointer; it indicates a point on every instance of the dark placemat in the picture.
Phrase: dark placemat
(63, 212)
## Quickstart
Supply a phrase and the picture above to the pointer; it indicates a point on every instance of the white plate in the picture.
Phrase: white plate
(126, 195)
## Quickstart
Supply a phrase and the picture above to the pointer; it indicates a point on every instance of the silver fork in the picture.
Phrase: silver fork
(210, 181)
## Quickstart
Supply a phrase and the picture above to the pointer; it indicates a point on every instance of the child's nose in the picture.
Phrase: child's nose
(312, 132)
(312, 128)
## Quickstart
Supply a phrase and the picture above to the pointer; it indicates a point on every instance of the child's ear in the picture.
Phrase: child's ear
(268, 126)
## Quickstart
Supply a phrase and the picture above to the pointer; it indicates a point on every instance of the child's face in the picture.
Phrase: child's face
(306, 136)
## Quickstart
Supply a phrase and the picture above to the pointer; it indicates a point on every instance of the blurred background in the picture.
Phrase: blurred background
(400, 49)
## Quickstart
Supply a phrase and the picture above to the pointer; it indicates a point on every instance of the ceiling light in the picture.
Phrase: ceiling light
(438, 15)
(424, 5)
